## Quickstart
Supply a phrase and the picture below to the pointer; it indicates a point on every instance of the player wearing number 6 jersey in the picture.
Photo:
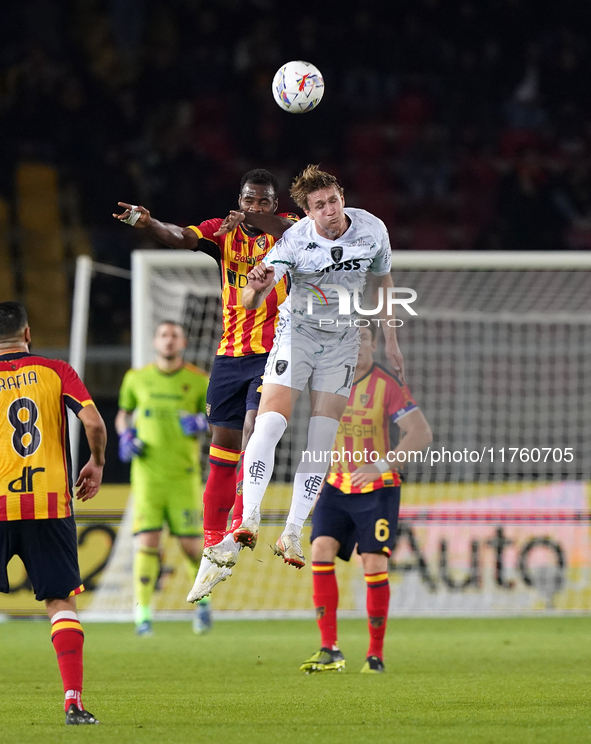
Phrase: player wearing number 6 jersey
(330, 255)
(36, 509)
(359, 504)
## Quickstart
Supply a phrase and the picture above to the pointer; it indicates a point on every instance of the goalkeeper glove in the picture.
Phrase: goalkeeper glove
(193, 424)
(130, 446)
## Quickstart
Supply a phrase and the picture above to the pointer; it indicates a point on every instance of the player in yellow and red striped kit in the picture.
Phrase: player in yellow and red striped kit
(36, 509)
(359, 504)
(237, 243)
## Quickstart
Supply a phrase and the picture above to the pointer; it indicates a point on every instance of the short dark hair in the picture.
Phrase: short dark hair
(262, 176)
(13, 319)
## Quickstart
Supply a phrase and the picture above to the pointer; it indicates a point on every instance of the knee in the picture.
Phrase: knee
(324, 549)
(192, 547)
(271, 425)
(374, 563)
(226, 438)
(149, 540)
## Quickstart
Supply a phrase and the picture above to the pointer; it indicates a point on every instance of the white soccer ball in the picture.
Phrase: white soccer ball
(298, 87)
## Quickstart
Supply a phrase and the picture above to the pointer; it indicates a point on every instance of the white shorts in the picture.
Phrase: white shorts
(326, 360)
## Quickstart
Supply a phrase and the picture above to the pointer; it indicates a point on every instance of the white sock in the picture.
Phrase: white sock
(322, 432)
(259, 458)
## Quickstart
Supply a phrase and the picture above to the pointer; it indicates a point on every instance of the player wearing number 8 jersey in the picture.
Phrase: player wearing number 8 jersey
(36, 512)
(359, 505)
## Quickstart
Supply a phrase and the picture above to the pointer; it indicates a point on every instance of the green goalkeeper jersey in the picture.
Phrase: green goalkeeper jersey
(159, 400)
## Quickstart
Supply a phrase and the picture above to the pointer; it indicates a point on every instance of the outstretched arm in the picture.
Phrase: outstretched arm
(271, 224)
(164, 232)
(261, 281)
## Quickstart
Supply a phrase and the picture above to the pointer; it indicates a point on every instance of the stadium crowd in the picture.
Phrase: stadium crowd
(463, 125)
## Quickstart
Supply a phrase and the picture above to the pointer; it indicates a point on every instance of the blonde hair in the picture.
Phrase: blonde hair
(312, 179)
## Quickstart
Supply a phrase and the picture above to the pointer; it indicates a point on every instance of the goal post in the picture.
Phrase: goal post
(495, 515)
(173, 265)
(78, 338)
(84, 272)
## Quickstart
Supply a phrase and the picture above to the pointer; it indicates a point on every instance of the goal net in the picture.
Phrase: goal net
(495, 513)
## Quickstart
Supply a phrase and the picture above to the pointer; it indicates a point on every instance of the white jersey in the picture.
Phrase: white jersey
(315, 263)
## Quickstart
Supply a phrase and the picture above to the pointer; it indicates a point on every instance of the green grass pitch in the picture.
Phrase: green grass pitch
(485, 680)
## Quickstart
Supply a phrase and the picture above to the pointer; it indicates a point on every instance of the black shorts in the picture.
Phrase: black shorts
(49, 550)
(234, 388)
(368, 519)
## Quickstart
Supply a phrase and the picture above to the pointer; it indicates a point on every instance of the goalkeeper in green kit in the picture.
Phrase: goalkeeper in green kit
(161, 414)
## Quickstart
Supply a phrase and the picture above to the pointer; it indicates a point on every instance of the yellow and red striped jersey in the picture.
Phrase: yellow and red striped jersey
(377, 399)
(245, 331)
(35, 478)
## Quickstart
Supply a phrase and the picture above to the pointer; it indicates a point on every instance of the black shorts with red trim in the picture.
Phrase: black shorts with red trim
(234, 388)
(49, 550)
(369, 520)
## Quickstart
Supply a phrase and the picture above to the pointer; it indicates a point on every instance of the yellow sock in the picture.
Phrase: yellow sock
(146, 566)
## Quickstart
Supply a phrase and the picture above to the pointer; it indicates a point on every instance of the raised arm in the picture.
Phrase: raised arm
(164, 232)
(261, 281)
(271, 224)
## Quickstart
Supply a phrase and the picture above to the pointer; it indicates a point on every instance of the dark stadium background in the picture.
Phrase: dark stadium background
(463, 125)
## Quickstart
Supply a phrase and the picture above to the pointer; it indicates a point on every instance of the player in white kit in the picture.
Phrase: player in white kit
(329, 255)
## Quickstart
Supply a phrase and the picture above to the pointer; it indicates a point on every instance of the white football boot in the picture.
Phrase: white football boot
(225, 553)
(289, 546)
(248, 532)
(207, 577)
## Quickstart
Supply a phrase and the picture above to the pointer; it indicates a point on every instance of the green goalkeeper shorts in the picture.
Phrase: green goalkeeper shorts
(177, 505)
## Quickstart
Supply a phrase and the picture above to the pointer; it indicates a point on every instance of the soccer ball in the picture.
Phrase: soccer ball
(298, 87)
